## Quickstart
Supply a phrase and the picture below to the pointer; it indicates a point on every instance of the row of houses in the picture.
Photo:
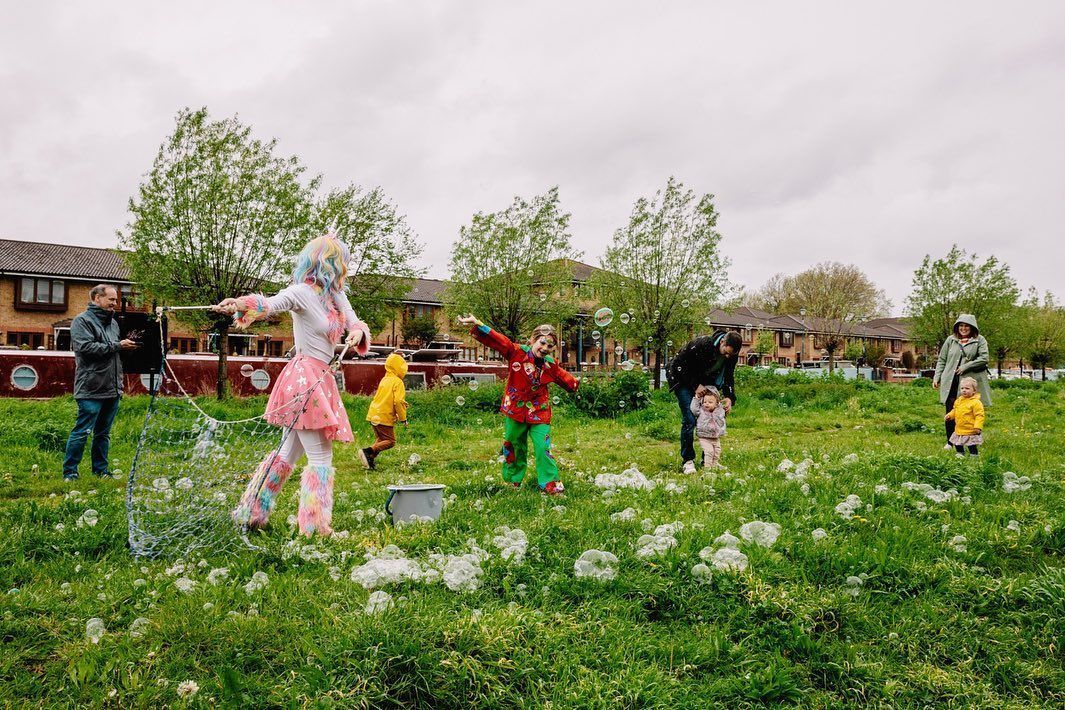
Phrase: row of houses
(43, 286)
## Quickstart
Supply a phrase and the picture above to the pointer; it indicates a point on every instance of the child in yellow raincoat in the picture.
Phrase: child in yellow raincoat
(968, 416)
(388, 407)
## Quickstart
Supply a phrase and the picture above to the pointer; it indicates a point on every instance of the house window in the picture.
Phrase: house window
(26, 340)
(268, 348)
(746, 334)
(787, 339)
(184, 345)
(41, 294)
(896, 346)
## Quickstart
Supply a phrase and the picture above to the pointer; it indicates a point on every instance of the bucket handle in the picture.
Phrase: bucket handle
(388, 503)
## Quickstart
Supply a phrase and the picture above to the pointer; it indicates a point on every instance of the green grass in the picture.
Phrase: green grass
(930, 626)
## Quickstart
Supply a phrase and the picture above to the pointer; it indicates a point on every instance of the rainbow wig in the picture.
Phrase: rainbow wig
(323, 264)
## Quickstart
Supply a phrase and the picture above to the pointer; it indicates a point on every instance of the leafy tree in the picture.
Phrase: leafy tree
(1045, 331)
(961, 283)
(836, 297)
(854, 351)
(765, 343)
(219, 214)
(771, 297)
(908, 360)
(383, 249)
(877, 351)
(664, 268)
(419, 330)
(510, 268)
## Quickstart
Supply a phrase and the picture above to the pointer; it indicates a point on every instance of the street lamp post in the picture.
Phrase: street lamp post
(805, 335)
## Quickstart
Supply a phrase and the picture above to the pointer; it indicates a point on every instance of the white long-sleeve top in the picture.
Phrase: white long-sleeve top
(310, 319)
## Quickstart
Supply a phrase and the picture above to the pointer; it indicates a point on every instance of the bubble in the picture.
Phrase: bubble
(618, 350)
(515, 366)
(445, 380)
(543, 297)
(625, 317)
(669, 343)
(646, 369)
(480, 422)
(685, 303)
(556, 399)
(530, 272)
(603, 317)
(657, 314)
(650, 339)
(246, 370)
(473, 385)
(708, 320)
(621, 405)
(447, 336)
(596, 335)
(460, 400)
(627, 365)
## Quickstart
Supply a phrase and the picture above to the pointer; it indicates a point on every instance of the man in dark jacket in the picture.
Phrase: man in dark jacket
(97, 380)
(707, 361)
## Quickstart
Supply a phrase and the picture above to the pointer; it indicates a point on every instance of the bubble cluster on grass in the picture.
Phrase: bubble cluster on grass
(629, 478)
(1012, 483)
(760, 533)
(623, 516)
(849, 507)
(931, 492)
(819, 534)
(512, 544)
(95, 629)
(596, 564)
(660, 541)
(958, 543)
(257, 583)
(378, 603)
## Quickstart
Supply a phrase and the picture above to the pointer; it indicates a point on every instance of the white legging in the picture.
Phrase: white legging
(319, 449)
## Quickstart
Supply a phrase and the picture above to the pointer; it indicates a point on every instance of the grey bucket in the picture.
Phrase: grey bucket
(425, 500)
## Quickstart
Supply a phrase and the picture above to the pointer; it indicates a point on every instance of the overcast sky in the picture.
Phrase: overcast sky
(827, 130)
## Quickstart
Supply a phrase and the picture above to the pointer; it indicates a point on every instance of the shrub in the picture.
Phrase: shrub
(921, 382)
(610, 395)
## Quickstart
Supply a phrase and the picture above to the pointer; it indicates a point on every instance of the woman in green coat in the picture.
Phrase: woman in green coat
(963, 354)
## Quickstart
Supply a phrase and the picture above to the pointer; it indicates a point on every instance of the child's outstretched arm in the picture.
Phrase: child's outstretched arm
(486, 336)
(565, 380)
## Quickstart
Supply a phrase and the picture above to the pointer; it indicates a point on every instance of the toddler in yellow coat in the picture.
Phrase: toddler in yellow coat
(389, 406)
(968, 416)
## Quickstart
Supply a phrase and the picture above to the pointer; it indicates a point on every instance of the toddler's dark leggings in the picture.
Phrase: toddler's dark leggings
(961, 449)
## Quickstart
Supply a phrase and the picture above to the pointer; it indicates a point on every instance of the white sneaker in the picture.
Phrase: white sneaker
(948, 447)
(689, 467)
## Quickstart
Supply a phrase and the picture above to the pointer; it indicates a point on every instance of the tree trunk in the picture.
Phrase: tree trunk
(222, 383)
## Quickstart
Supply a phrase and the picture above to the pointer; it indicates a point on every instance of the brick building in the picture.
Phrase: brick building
(43, 286)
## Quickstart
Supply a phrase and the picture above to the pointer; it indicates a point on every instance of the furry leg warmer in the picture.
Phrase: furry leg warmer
(316, 501)
(261, 494)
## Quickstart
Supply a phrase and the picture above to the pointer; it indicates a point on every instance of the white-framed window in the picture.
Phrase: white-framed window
(24, 377)
(414, 380)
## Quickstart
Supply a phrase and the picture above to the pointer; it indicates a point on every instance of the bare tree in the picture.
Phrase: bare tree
(836, 297)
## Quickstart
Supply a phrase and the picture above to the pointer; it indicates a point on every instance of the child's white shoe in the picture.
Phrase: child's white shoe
(689, 467)
(948, 447)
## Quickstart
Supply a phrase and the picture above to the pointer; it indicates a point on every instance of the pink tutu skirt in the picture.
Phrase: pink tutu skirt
(305, 396)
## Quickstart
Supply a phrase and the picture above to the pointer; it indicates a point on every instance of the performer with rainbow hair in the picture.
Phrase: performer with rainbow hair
(305, 396)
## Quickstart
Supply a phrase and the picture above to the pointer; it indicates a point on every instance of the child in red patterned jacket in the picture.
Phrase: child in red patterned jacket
(526, 401)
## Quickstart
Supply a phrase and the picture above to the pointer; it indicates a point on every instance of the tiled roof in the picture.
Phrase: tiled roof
(426, 291)
(90, 263)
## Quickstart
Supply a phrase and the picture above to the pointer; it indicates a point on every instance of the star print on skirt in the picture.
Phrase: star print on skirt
(306, 380)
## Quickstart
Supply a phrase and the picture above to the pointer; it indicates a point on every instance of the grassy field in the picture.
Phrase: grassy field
(919, 598)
